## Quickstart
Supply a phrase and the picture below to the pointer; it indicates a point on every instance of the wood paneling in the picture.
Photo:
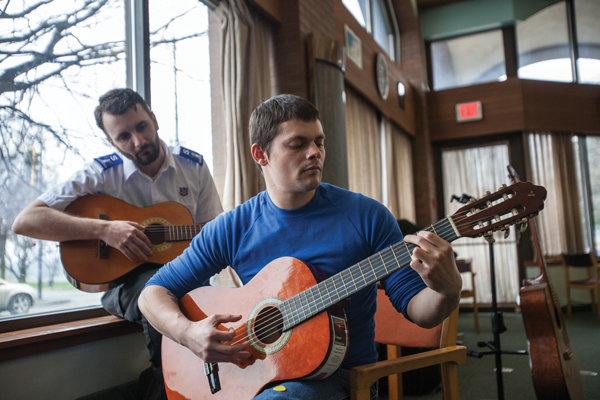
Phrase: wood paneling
(271, 8)
(516, 105)
(566, 107)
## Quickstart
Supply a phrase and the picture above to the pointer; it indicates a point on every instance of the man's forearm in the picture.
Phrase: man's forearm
(429, 308)
(42, 222)
(161, 309)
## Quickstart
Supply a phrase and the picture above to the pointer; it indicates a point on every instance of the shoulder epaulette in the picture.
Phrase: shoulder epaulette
(191, 155)
(109, 161)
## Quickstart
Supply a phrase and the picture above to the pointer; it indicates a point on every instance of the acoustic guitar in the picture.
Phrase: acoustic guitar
(91, 265)
(554, 367)
(287, 313)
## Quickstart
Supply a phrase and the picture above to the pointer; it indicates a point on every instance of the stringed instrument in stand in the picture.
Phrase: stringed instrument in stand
(554, 367)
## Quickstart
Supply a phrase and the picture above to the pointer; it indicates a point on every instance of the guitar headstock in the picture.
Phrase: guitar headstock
(497, 211)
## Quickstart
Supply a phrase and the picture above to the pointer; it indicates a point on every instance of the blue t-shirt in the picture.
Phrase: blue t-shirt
(334, 231)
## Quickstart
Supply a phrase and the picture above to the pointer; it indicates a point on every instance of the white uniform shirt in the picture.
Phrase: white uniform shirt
(184, 178)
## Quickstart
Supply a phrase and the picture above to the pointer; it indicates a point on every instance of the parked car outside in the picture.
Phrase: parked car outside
(17, 298)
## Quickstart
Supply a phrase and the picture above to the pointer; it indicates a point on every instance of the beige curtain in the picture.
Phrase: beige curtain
(552, 164)
(362, 140)
(245, 80)
(398, 191)
(474, 171)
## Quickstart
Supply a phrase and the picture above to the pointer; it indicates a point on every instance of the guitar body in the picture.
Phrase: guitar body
(82, 260)
(553, 363)
(313, 349)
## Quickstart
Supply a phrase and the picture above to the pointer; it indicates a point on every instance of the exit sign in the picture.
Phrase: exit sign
(471, 111)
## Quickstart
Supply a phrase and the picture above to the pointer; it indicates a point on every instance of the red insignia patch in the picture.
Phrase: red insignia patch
(183, 191)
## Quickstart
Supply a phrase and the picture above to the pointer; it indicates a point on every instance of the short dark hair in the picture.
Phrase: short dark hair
(266, 118)
(117, 102)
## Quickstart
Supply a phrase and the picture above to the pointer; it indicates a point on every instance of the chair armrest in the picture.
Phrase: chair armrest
(364, 376)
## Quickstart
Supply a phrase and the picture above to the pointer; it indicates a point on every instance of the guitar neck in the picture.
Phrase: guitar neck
(359, 276)
(173, 233)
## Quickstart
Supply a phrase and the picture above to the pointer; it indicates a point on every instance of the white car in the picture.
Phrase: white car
(17, 298)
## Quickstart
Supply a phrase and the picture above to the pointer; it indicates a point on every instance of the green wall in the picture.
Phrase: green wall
(476, 15)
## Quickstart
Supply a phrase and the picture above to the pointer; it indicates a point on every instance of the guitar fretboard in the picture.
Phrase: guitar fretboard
(365, 273)
(172, 233)
(182, 232)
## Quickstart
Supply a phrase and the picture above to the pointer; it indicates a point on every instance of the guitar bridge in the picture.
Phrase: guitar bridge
(102, 251)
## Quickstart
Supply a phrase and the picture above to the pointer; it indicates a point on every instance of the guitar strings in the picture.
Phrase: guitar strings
(268, 327)
(376, 267)
(160, 231)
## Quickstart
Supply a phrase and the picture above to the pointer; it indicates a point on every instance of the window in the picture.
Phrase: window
(47, 126)
(590, 177)
(545, 48)
(587, 15)
(377, 17)
(543, 45)
(468, 60)
(180, 78)
(46, 114)
(474, 171)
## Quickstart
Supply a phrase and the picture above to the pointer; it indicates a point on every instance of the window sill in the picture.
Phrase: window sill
(29, 341)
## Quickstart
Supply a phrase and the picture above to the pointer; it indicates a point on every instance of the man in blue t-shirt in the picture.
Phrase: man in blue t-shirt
(322, 225)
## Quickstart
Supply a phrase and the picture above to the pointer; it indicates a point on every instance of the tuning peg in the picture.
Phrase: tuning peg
(487, 193)
(503, 186)
(506, 233)
(489, 239)
(523, 224)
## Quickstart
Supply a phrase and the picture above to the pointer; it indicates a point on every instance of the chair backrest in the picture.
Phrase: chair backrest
(463, 266)
(584, 260)
(392, 328)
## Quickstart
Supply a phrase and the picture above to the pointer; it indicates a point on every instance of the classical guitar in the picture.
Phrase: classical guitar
(554, 367)
(91, 265)
(287, 312)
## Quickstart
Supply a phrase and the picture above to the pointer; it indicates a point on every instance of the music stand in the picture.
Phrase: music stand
(498, 326)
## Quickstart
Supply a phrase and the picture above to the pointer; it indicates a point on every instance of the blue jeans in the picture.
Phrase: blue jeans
(336, 387)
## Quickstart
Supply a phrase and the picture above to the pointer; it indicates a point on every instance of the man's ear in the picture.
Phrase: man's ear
(259, 155)
(154, 120)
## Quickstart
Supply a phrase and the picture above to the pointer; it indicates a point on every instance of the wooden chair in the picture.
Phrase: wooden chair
(392, 329)
(464, 267)
(591, 283)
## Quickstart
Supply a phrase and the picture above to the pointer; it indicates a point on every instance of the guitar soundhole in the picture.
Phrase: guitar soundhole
(268, 325)
(156, 234)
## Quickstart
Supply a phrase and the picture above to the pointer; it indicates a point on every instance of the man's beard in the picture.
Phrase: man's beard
(148, 158)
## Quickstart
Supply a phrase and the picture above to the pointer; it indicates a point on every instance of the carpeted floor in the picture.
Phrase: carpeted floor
(477, 378)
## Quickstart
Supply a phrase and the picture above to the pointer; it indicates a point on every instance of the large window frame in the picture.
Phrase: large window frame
(27, 335)
(511, 55)
(388, 9)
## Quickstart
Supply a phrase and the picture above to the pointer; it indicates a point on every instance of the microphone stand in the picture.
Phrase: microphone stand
(498, 326)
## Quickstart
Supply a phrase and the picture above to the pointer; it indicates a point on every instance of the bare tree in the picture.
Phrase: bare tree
(44, 49)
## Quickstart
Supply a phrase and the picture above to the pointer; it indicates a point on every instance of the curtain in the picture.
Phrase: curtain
(474, 171)
(245, 80)
(362, 139)
(246, 83)
(552, 164)
(398, 191)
